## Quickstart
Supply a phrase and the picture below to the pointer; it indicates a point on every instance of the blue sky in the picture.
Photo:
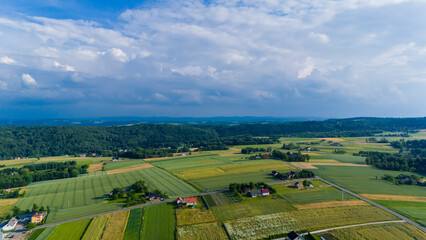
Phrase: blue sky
(78, 59)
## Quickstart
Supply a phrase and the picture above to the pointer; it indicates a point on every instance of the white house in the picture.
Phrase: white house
(10, 225)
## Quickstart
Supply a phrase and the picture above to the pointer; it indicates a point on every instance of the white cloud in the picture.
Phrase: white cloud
(67, 68)
(188, 70)
(321, 37)
(306, 71)
(119, 54)
(7, 60)
(28, 80)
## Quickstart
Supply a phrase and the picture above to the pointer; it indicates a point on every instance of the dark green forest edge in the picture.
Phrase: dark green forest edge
(146, 140)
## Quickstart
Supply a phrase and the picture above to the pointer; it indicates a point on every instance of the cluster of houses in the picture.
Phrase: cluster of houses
(35, 218)
(17, 158)
(300, 185)
(259, 193)
(191, 201)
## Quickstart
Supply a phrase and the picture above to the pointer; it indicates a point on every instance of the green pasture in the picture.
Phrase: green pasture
(344, 158)
(159, 222)
(77, 196)
(363, 180)
(71, 230)
(304, 197)
(46, 233)
(191, 162)
(122, 163)
(134, 225)
(413, 210)
(252, 207)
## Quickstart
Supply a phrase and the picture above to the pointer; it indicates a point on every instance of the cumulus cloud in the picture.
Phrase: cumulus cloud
(118, 54)
(3, 85)
(28, 80)
(321, 37)
(193, 52)
(7, 60)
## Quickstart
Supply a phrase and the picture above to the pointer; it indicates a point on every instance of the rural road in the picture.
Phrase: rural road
(124, 209)
(369, 201)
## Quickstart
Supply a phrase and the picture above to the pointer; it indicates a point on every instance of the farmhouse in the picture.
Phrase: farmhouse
(179, 201)
(294, 236)
(10, 225)
(266, 155)
(274, 173)
(310, 184)
(154, 196)
(298, 185)
(37, 218)
(115, 159)
(265, 192)
(255, 193)
(191, 201)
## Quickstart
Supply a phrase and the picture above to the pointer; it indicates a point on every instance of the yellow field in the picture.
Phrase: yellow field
(333, 139)
(311, 165)
(266, 165)
(329, 204)
(129, 169)
(394, 197)
(96, 167)
(116, 226)
(193, 216)
(6, 205)
(96, 227)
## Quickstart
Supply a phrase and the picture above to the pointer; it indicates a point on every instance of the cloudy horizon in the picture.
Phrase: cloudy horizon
(212, 58)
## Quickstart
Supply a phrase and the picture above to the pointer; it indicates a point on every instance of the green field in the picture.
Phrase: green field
(326, 195)
(36, 233)
(46, 233)
(159, 222)
(70, 231)
(414, 210)
(217, 199)
(84, 195)
(363, 180)
(263, 226)
(134, 225)
(390, 231)
(121, 164)
(96, 227)
(251, 207)
(191, 162)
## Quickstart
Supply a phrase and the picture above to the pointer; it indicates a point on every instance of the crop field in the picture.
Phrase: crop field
(159, 222)
(6, 205)
(134, 225)
(326, 195)
(186, 216)
(70, 231)
(191, 162)
(129, 169)
(78, 196)
(96, 227)
(36, 233)
(389, 231)
(329, 204)
(414, 210)
(251, 208)
(207, 231)
(95, 167)
(219, 177)
(263, 226)
(46, 233)
(363, 180)
(122, 164)
(217, 199)
(116, 226)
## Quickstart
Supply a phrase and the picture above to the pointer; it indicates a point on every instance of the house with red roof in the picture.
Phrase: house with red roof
(265, 192)
(190, 201)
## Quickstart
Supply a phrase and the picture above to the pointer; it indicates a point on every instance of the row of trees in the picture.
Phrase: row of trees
(396, 162)
(250, 150)
(19, 177)
(291, 157)
(403, 179)
(293, 175)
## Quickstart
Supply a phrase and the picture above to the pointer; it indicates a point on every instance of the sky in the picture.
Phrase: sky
(314, 58)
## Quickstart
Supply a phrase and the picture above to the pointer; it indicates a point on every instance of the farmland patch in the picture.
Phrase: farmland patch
(129, 169)
(116, 226)
(159, 222)
(207, 231)
(186, 216)
(329, 204)
(70, 231)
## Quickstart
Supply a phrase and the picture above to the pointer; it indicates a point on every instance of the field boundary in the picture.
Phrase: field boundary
(355, 225)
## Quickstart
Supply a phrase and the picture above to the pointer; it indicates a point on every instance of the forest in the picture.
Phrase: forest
(396, 162)
(40, 141)
(19, 177)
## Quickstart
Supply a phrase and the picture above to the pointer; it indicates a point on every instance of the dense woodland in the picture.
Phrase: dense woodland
(19, 177)
(39, 141)
(388, 161)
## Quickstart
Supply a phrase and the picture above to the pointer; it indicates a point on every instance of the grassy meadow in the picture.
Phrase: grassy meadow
(159, 222)
(134, 225)
(70, 231)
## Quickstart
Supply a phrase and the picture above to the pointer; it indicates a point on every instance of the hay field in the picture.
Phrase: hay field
(95, 167)
(207, 231)
(394, 197)
(6, 205)
(129, 169)
(389, 231)
(159, 222)
(96, 227)
(116, 225)
(329, 204)
(185, 216)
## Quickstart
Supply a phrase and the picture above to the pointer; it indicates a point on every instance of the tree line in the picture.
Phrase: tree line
(397, 162)
(19, 177)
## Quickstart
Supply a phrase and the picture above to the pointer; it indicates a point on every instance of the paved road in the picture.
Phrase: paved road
(369, 201)
(127, 208)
